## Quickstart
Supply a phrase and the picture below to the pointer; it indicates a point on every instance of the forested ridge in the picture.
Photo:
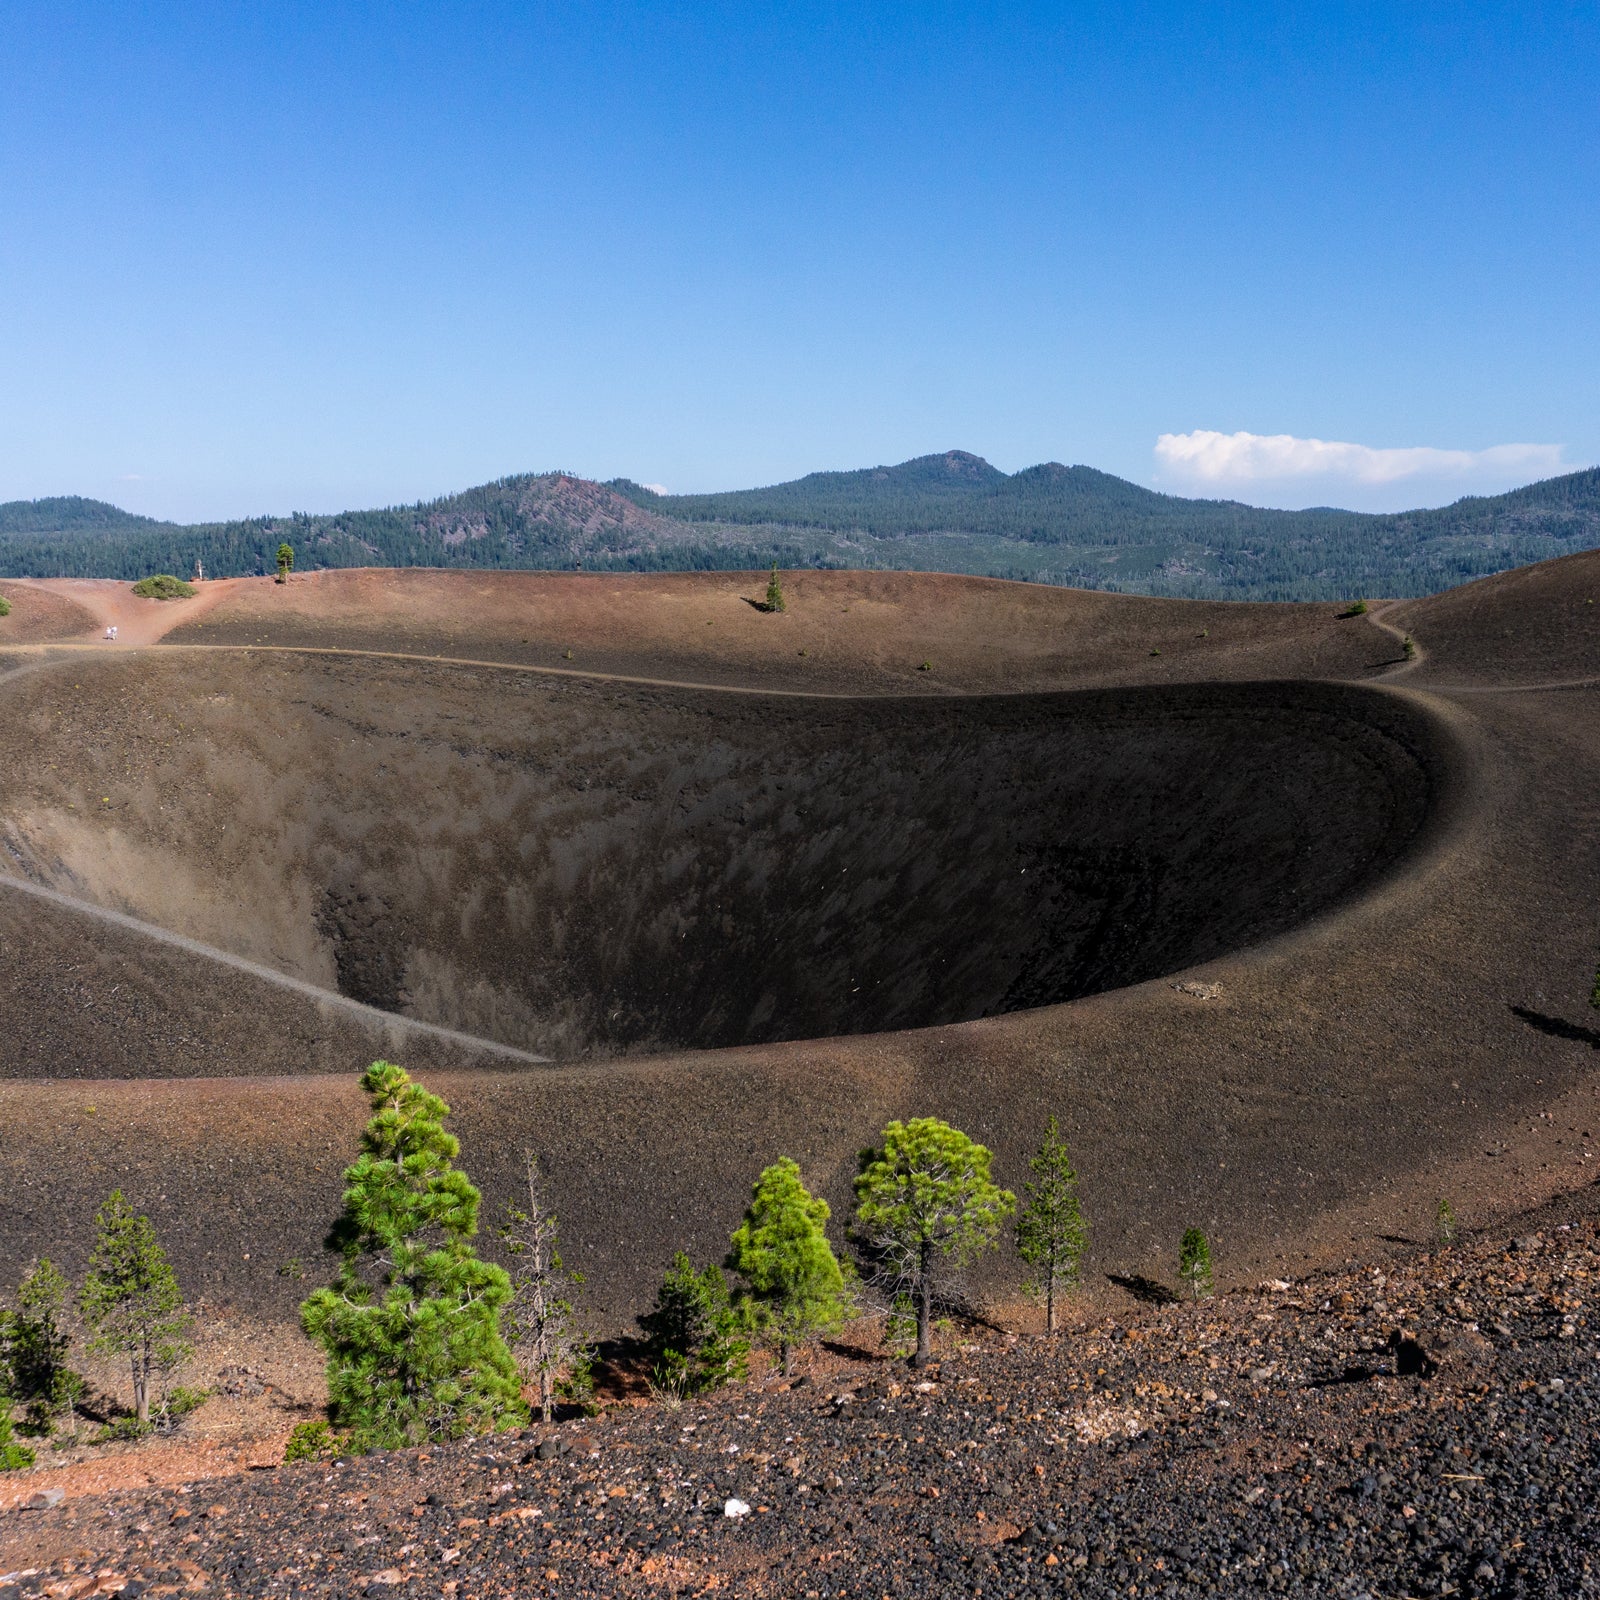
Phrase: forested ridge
(951, 512)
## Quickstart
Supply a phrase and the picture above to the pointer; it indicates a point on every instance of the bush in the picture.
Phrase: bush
(13, 1456)
(5, 606)
(310, 1441)
(163, 586)
(181, 1401)
(121, 1430)
(693, 1333)
(1358, 609)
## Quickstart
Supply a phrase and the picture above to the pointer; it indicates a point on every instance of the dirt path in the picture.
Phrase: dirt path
(1410, 663)
(113, 604)
(150, 930)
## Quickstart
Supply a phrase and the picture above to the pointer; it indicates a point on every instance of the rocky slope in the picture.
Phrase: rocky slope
(1424, 1426)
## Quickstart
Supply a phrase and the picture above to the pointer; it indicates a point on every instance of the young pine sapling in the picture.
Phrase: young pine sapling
(1050, 1231)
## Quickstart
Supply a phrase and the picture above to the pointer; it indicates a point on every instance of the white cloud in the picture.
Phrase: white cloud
(655, 488)
(1205, 457)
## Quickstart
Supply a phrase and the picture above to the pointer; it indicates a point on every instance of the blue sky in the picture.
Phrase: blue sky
(264, 257)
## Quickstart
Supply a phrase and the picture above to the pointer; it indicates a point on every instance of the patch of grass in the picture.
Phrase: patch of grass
(122, 1428)
(310, 1441)
(181, 1401)
(163, 586)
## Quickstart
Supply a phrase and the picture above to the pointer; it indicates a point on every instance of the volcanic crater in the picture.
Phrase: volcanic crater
(581, 868)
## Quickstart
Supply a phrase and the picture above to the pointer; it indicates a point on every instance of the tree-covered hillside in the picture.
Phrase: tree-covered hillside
(951, 512)
(1077, 525)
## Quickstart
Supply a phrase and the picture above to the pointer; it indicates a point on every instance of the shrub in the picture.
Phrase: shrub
(924, 1208)
(180, 1401)
(414, 1349)
(163, 586)
(1445, 1221)
(1356, 609)
(131, 1303)
(13, 1456)
(1409, 645)
(5, 606)
(309, 1441)
(693, 1333)
(1051, 1233)
(121, 1430)
(793, 1287)
(1194, 1262)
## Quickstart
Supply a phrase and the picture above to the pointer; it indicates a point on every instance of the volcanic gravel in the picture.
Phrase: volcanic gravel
(1429, 1429)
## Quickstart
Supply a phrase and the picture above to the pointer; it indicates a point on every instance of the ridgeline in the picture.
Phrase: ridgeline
(942, 513)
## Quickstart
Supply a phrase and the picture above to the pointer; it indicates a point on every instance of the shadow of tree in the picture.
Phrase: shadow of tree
(1145, 1289)
(1558, 1027)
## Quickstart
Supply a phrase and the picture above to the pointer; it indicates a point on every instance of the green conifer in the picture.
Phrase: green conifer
(130, 1301)
(775, 591)
(412, 1325)
(924, 1207)
(1194, 1262)
(34, 1347)
(1051, 1233)
(693, 1333)
(793, 1287)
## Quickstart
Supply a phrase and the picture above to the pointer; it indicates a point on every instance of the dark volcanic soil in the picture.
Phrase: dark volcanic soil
(582, 868)
(1343, 1016)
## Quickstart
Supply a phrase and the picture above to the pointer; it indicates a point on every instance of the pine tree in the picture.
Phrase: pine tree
(924, 1208)
(35, 1345)
(775, 591)
(285, 562)
(1051, 1233)
(793, 1287)
(541, 1321)
(693, 1333)
(131, 1303)
(412, 1325)
(1194, 1262)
